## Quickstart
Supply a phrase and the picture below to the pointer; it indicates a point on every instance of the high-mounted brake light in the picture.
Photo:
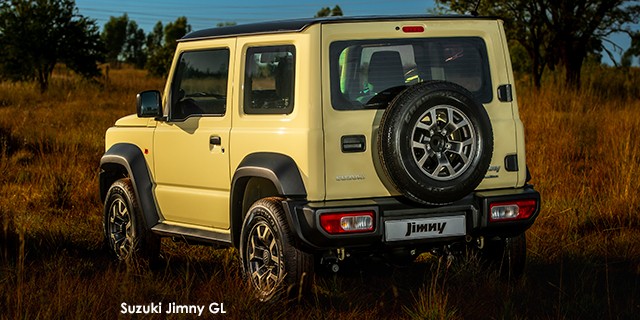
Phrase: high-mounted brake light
(347, 222)
(512, 210)
(411, 29)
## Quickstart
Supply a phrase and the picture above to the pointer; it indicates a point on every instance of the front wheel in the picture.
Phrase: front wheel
(270, 261)
(124, 230)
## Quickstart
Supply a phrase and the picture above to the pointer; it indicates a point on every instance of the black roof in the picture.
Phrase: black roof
(297, 25)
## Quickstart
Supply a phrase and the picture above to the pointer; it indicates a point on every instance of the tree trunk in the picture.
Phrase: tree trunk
(572, 61)
(43, 80)
(537, 68)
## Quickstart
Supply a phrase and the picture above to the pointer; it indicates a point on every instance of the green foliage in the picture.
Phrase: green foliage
(633, 51)
(154, 38)
(328, 12)
(35, 35)
(114, 36)
(124, 41)
(134, 50)
(557, 33)
(162, 43)
(519, 57)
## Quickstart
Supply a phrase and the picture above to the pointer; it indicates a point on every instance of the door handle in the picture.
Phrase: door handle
(215, 140)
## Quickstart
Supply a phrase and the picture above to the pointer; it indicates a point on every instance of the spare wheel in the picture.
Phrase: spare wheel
(435, 142)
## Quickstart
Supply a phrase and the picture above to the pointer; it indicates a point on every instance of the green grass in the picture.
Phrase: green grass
(584, 261)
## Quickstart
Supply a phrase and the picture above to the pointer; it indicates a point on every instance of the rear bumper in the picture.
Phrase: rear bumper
(304, 219)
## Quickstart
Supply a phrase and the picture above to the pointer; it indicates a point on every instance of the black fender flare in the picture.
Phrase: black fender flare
(130, 157)
(278, 168)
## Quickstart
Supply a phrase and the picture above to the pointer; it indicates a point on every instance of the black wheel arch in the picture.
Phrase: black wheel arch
(267, 167)
(127, 160)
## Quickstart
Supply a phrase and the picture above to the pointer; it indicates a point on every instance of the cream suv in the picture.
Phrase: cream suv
(307, 142)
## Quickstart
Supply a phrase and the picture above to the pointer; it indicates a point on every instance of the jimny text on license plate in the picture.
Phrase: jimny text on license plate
(436, 227)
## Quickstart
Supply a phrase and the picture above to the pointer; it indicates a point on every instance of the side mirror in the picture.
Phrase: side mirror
(148, 104)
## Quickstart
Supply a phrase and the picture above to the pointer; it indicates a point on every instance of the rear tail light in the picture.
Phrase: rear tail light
(347, 222)
(512, 210)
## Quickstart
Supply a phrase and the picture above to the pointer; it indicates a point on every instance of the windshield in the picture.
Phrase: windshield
(367, 74)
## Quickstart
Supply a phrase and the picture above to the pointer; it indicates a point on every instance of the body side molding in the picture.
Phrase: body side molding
(130, 157)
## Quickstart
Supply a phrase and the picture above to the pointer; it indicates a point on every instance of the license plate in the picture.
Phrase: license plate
(424, 228)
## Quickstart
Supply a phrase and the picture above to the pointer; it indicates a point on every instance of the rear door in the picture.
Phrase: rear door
(369, 59)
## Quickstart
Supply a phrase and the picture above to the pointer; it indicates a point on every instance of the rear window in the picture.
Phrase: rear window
(367, 74)
(269, 80)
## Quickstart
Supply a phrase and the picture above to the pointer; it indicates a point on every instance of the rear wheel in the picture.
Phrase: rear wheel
(270, 261)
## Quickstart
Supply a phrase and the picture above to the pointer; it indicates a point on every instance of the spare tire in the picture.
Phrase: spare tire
(435, 142)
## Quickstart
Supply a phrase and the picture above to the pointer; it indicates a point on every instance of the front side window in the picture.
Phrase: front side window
(269, 80)
(199, 86)
(367, 74)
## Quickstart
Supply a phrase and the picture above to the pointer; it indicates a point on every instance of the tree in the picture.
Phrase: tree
(124, 41)
(557, 32)
(580, 27)
(134, 49)
(154, 38)
(633, 51)
(35, 35)
(114, 36)
(326, 12)
(176, 30)
(162, 43)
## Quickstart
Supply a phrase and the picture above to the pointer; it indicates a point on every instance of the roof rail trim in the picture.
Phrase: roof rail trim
(298, 25)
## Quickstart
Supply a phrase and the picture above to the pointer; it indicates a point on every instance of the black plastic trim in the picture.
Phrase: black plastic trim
(511, 162)
(297, 25)
(278, 168)
(505, 93)
(507, 228)
(310, 236)
(353, 143)
(130, 157)
(193, 234)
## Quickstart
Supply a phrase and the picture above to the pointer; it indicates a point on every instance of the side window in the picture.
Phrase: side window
(269, 80)
(199, 84)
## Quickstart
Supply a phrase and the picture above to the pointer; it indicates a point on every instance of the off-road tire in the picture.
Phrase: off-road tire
(435, 142)
(123, 225)
(279, 268)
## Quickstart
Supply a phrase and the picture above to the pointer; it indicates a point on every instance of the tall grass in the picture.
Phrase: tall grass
(584, 261)
(583, 153)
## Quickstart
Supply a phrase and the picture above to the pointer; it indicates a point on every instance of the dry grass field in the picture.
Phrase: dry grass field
(583, 151)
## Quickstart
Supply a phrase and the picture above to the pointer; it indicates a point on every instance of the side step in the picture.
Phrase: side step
(192, 234)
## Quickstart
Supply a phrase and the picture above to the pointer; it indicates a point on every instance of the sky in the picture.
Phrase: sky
(203, 14)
